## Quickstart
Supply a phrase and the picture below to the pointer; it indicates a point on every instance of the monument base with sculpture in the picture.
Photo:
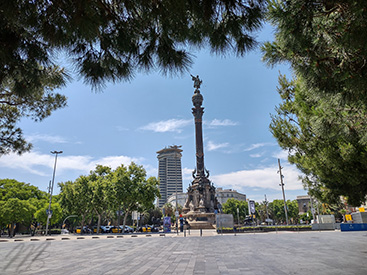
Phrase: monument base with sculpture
(201, 203)
(199, 209)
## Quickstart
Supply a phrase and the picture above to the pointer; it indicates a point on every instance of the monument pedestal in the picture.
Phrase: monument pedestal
(200, 220)
(201, 201)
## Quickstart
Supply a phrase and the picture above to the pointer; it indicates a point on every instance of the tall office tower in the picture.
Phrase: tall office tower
(169, 172)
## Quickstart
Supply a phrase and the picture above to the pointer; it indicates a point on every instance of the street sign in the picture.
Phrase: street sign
(176, 213)
(136, 215)
(348, 217)
(252, 207)
(48, 212)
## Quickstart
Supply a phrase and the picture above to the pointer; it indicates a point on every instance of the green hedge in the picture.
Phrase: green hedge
(265, 228)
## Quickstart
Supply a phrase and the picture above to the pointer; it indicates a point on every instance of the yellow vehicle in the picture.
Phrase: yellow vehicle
(146, 229)
(95, 229)
(85, 230)
(116, 230)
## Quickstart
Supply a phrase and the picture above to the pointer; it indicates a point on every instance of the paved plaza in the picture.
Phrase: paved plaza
(260, 253)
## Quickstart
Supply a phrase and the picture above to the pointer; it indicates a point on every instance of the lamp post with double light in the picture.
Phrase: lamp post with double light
(49, 214)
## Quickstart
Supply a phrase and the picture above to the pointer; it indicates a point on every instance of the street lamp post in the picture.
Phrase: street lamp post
(51, 189)
(266, 209)
(176, 158)
(282, 185)
(238, 216)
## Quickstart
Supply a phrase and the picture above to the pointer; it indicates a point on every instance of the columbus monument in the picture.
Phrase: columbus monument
(201, 203)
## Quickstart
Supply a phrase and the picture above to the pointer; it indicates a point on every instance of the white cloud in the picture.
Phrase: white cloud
(266, 178)
(45, 138)
(151, 171)
(224, 122)
(283, 155)
(41, 164)
(256, 155)
(187, 173)
(30, 162)
(257, 145)
(121, 129)
(211, 146)
(113, 161)
(171, 125)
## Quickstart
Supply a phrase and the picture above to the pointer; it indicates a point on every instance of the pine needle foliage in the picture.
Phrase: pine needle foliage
(322, 118)
(106, 40)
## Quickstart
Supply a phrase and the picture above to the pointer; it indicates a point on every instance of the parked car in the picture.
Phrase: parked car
(154, 228)
(100, 229)
(148, 228)
(106, 228)
(248, 221)
(85, 230)
(128, 229)
(116, 229)
(64, 231)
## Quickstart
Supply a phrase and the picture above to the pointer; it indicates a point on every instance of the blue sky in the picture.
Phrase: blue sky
(131, 121)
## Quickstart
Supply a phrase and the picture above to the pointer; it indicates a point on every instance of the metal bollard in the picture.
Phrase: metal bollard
(201, 232)
(185, 233)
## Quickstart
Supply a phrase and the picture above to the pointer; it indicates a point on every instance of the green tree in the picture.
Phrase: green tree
(231, 205)
(322, 41)
(75, 198)
(276, 211)
(41, 216)
(10, 188)
(106, 41)
(99, 181)
(14, 210)
(306, 217)
(168, 210)
(326, 141)
(261, 210)
(293, 211)
(138, 193)
(31, 99)
(155, 215)
(321, 121)
(119, 179)
(18, 203)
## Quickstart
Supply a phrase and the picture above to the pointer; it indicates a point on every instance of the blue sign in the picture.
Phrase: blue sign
(167, 224)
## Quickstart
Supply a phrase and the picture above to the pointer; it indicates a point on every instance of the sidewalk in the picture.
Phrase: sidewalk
(213, 254)
(66, 237)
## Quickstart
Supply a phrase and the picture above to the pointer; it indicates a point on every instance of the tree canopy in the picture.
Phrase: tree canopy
(19, 202)
(231, 206)
(105, 191)
(321, 120)
(105, 41)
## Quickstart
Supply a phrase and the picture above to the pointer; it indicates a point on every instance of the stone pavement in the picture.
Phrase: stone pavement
(260, 253)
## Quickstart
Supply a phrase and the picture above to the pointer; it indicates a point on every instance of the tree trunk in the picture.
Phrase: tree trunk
(12, 230)
(82, 224)
(125, 218)
(99, 223)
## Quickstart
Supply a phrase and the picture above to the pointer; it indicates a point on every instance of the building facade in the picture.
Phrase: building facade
(223, 195)
(169, 172)
(181, 199)
(304, 204)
